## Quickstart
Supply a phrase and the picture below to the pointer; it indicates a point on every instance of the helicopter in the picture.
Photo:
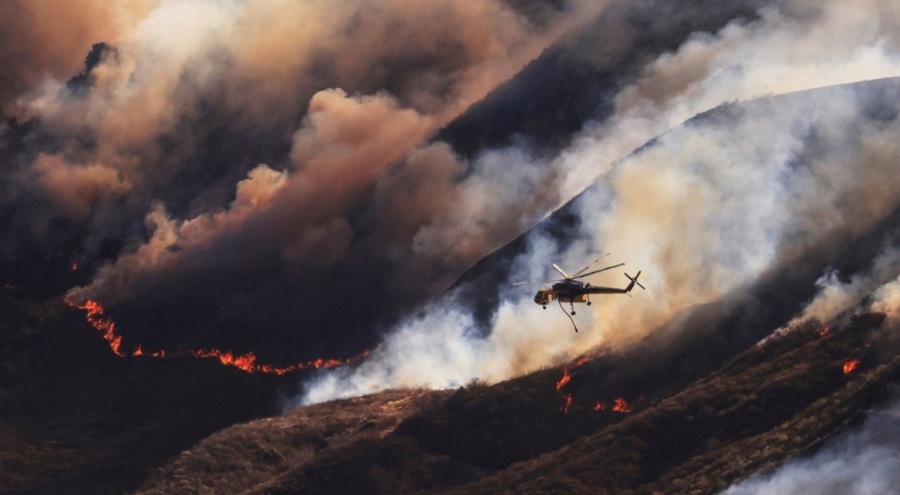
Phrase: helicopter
(572, 290)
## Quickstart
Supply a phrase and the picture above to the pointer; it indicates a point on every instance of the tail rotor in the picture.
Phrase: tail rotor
(634, 281)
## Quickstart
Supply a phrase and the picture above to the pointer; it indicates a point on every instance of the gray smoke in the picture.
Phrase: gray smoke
(705, 211)
(864, 461)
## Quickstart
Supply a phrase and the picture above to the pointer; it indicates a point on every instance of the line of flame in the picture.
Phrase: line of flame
(104, 325)
(244, 362)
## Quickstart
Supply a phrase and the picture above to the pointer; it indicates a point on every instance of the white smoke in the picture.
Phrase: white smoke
(835, 295)
(865, 461)
(704, 211)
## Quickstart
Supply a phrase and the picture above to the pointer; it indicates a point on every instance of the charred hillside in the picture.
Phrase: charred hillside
(76, 418)
(761, 407)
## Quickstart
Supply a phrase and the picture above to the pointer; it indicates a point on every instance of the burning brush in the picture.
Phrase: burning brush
(620, 405)
(245, 362)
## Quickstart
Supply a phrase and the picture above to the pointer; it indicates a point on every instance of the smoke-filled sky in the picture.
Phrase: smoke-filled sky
(708, 209)
(226, 165)
(266, 176)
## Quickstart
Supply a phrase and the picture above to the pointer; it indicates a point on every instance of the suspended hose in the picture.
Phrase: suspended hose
(567, 314)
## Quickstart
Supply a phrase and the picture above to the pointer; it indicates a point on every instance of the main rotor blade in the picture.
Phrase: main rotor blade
(579, 272)
(600, 270)
(560, 270)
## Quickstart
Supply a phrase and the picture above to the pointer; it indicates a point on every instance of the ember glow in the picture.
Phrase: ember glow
(244, 362)
(850, 365)
(824, 332)
(621, 406)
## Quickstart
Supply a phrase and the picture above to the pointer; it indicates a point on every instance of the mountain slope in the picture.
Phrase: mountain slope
(693, 406)
(755, 411)
(74, 417)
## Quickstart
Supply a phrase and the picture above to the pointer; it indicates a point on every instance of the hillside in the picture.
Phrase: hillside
(76, 418)
(751, 414)
(292, 247)
(693, 405)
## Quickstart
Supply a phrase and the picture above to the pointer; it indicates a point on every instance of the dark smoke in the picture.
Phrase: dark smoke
(234, 175)
(166, 127)
(220, 191)
(724, 274)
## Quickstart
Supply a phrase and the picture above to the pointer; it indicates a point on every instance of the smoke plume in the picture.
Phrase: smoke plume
(279, 177)
(705, 210)
(227, 165)
(864, 461)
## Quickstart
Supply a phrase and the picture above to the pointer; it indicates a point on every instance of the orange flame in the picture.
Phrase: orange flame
(245, 362)
(566, 378)
(850, 365)
(600, 406)
(824, 332)
(104, 325)
(621, 406)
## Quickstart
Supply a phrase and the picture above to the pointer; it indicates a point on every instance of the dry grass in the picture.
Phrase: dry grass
(756, 410)
(252, 457)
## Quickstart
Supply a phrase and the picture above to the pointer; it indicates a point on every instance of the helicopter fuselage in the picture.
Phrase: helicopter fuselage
(568, 291)
(576, 291)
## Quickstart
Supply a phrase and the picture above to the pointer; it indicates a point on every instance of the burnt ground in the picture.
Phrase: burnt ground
(76, 418)
(750, 414)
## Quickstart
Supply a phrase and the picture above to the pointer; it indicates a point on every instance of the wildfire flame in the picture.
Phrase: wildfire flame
(566, 378)
(824, 332)
(245, 362)
(621, 406)
(600, 406)
(850, 365)
(567, 372)
(104, 325)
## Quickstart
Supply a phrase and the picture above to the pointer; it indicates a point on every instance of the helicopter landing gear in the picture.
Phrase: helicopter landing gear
(572, 307)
